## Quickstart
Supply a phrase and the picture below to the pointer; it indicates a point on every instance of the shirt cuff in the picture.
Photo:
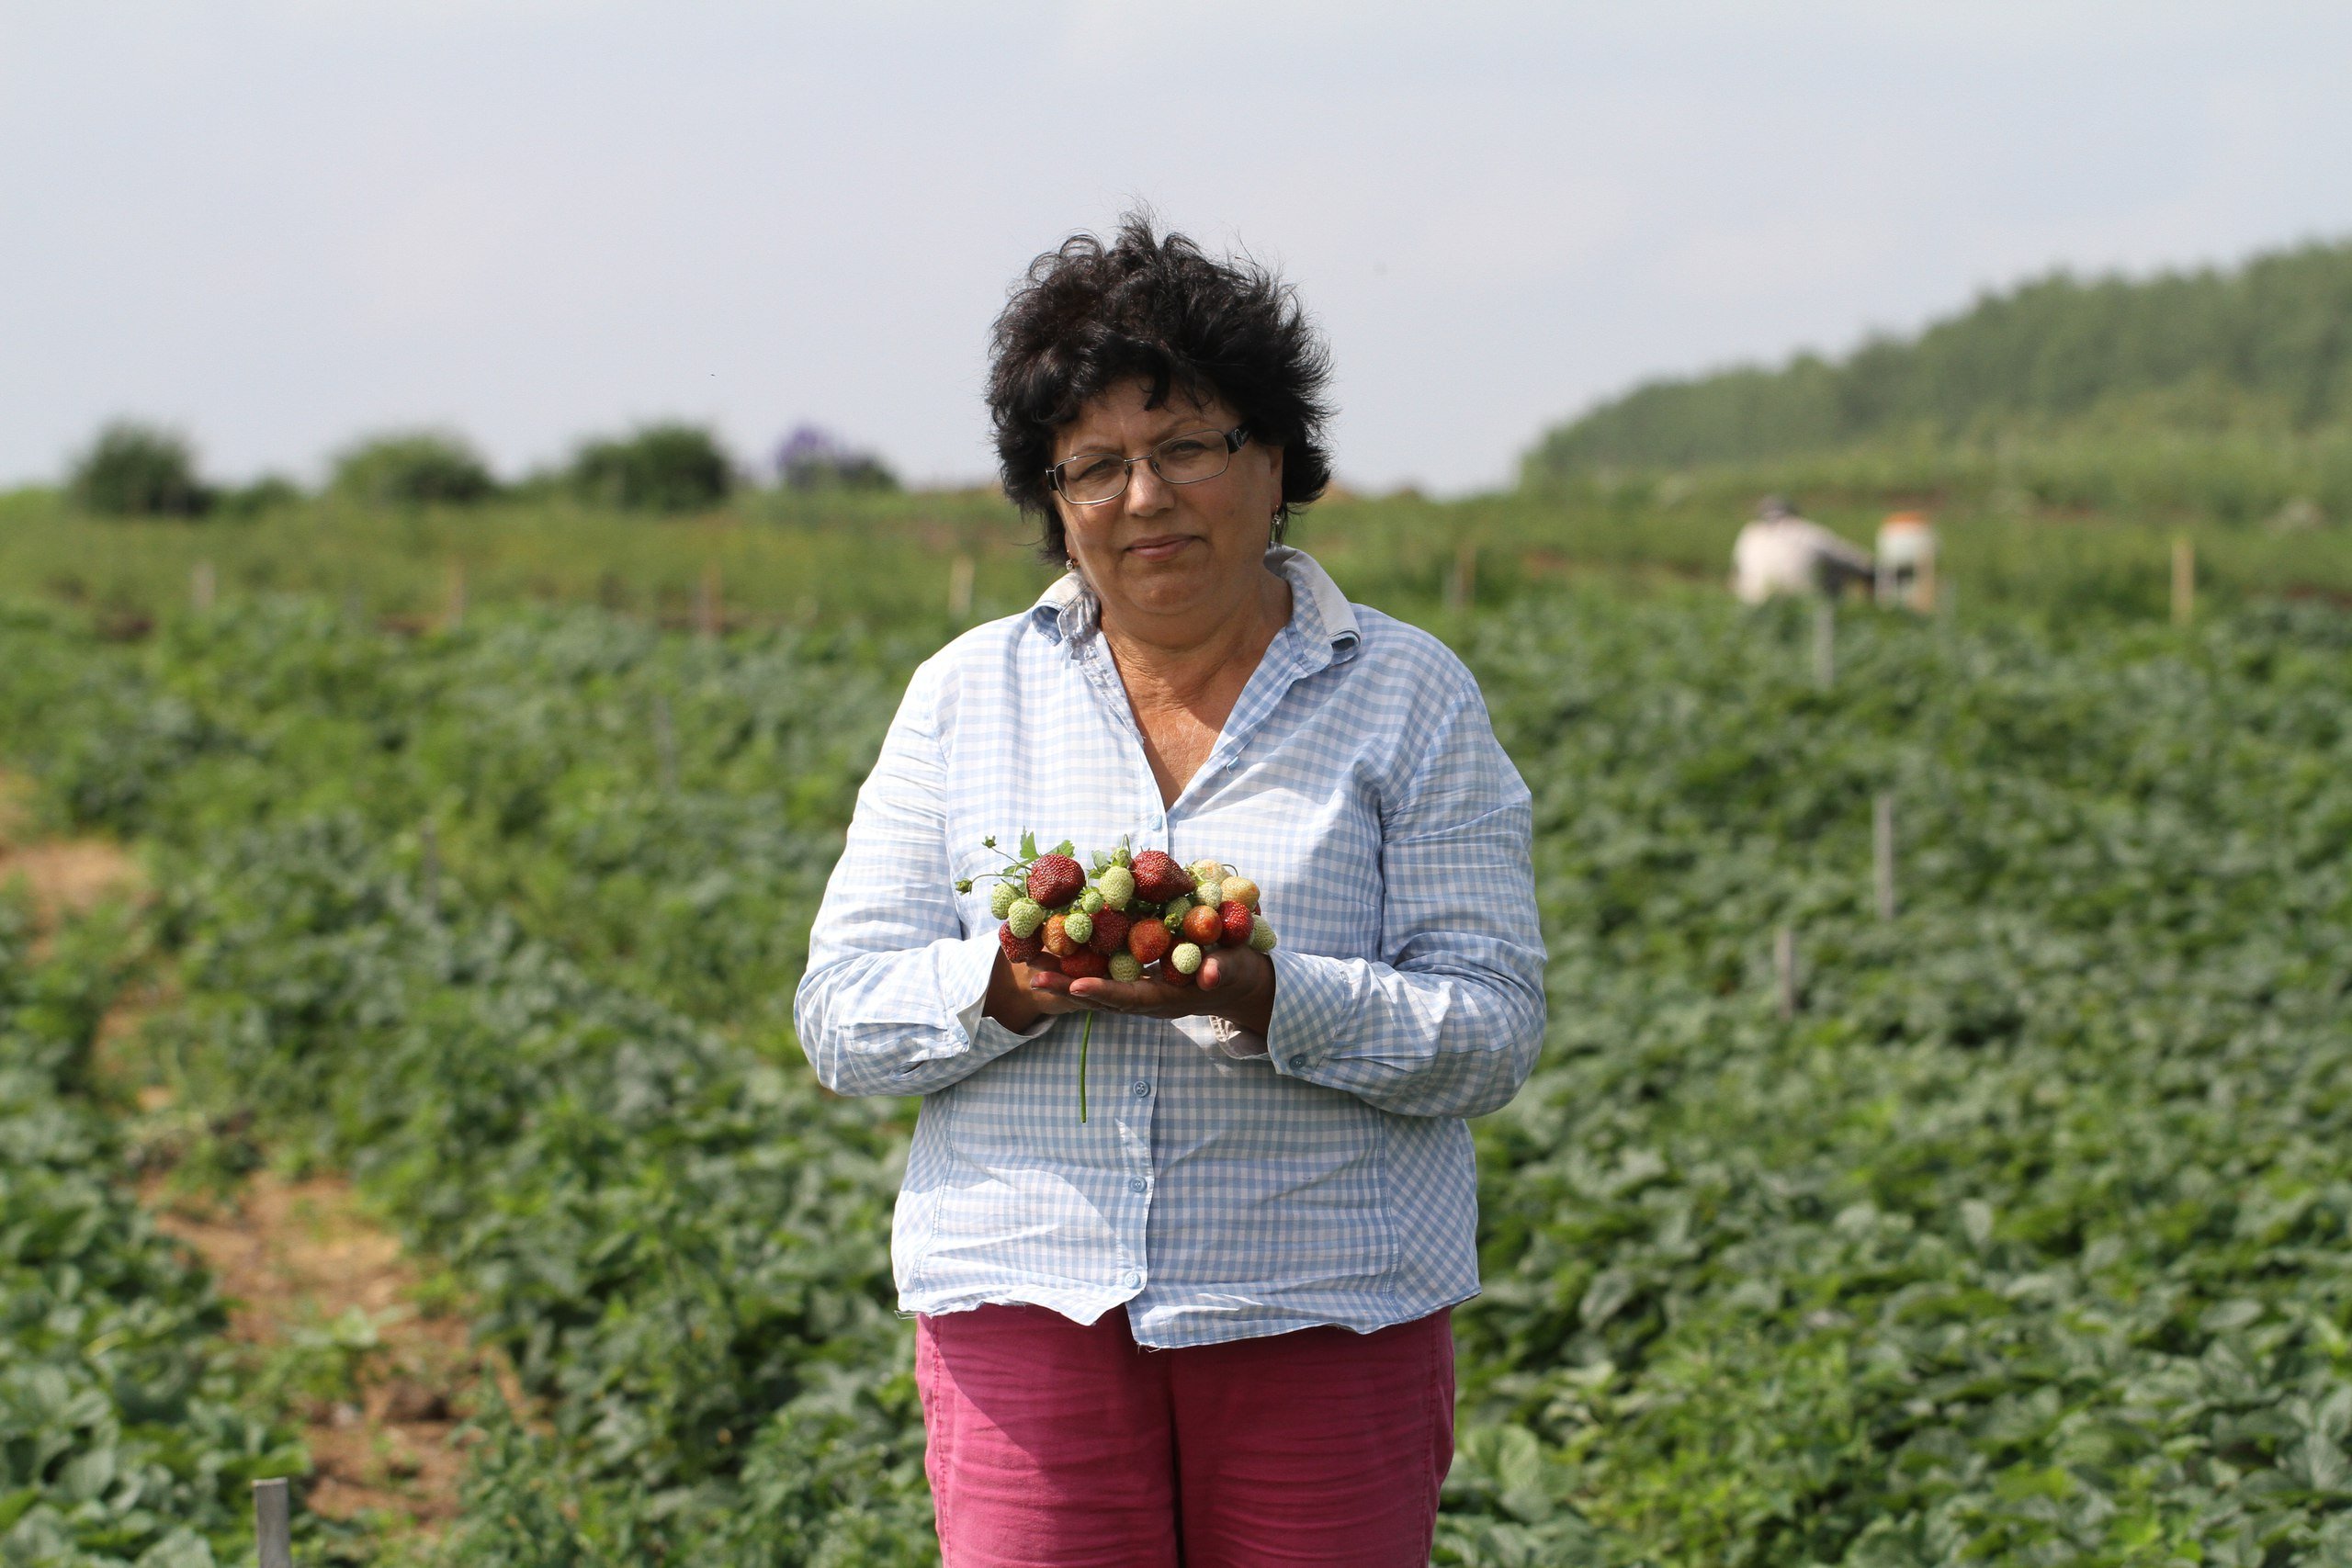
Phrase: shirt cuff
(1311, 1002)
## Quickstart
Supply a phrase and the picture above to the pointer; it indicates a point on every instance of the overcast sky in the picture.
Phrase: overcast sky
(280, 223)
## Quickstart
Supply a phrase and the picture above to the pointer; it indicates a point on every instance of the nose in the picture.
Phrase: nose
(1147, 494)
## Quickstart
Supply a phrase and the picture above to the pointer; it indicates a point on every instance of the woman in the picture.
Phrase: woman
(1274, 1192)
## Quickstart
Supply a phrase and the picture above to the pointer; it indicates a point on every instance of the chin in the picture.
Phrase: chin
(1173, 584)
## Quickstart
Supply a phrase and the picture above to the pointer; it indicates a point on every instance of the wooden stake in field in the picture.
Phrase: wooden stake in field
(665, 745)
(200, 588)
(1824, 644)
(2183, 580)
(1784, 971)
(455, 592)
(428, 872)
(1882, 854)
(708, 614)
(960, 572)
(1462, 583)
(273, 1524)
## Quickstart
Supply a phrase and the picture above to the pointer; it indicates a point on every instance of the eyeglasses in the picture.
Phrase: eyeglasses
(1092, 477)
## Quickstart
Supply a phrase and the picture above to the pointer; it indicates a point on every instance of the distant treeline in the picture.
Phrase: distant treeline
(2226, 392)
(132, 469)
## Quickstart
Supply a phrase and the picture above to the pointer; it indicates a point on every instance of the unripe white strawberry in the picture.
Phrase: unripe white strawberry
(1241, 890)
(1125, 966)
(1210, 893)
(1024, 917)
(1117, 885)
(1186, 958)
(1205, 870)
(1091, 900)
(1001, 899)
(1079, 925)
(1262, 935)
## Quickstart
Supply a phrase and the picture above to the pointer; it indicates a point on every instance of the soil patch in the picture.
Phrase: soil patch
(65, 876)
(328, 1310)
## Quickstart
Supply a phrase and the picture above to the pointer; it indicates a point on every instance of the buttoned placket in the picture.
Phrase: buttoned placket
(1286, 662)
(1081, 635)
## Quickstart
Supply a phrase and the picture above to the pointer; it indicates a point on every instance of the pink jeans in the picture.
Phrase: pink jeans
(1053, 1445)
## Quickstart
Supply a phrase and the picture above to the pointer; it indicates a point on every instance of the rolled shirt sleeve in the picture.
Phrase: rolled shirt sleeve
(891, 1000)
(1448, 1019)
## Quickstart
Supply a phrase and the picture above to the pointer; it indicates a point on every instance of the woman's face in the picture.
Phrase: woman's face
(1161, 550)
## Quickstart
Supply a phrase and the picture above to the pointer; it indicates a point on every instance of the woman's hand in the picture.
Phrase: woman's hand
(1016, 1000)
(1234, 983)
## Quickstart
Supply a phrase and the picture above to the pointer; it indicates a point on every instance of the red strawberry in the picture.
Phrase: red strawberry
(1019, 949)
(1202, 924)
(1234, 915)
(1055, 880)
(1149, 941)
(1171, 976)
(1085, 963)
(1159, 878)
(1110, 931)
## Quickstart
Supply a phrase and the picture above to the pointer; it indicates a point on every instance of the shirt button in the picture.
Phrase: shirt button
(1132, 1280)
(1140, 1090)
(1137, 1184)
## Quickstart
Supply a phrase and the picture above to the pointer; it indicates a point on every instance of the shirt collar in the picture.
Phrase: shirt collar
(1319, 613)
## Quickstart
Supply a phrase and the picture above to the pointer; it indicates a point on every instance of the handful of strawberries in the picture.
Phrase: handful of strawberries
(1138, 915)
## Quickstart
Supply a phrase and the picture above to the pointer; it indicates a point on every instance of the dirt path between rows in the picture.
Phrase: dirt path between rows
(64, 876)
(322, 1299)
(323, 1303)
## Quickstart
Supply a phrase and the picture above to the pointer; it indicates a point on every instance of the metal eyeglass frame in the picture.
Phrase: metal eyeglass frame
(1235, 439)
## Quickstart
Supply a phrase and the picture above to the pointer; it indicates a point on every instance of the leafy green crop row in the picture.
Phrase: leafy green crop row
(682, 1242)
(2026, 1240)
(120, 1440)
(2030, 1239)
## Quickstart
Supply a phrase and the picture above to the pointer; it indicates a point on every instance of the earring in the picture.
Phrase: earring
(1282, 522)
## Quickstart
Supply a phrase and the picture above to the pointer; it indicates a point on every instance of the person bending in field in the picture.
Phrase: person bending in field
(1780, 552)
(1209, 1326)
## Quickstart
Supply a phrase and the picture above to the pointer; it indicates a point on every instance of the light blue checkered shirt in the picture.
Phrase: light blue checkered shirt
(1327, 1181)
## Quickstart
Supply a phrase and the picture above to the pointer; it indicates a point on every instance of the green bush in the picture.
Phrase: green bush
(661, 468)
(138, 470)
(811, 458)
(271, 493)
(420, 467)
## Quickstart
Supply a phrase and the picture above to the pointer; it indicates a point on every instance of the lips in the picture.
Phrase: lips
(1159, 547)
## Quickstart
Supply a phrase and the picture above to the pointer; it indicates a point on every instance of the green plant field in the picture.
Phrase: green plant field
(2025, 1241)
(123, 1438)
(838, 557)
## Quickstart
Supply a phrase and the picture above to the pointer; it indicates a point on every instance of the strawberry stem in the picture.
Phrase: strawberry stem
(1085, 1038)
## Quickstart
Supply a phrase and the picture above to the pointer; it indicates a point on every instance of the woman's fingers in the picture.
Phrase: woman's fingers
(1122, 996)
(1049, 992)
(1228, 972)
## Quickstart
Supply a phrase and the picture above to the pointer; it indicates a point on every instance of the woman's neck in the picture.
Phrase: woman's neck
(1184, 663)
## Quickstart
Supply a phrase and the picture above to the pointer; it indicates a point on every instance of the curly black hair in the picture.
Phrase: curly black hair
(1089, 315)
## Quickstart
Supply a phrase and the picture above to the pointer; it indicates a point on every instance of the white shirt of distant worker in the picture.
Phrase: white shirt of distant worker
(1780, 552)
